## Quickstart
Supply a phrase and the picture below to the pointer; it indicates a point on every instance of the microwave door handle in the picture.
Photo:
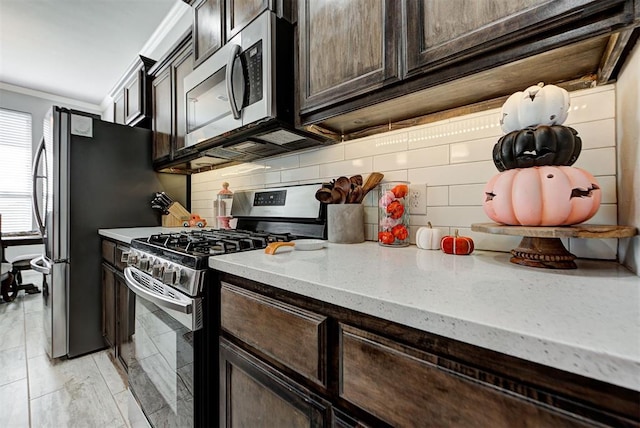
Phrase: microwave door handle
(35, 177)
(235, 51)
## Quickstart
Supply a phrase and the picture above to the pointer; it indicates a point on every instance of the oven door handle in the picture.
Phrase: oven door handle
(158, 299)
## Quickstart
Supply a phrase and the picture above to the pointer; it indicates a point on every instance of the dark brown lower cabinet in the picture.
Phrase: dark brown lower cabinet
(109, 305)
(254, 394)
(125, 318)
(290, 361)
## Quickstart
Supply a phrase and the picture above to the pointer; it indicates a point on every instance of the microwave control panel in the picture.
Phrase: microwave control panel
(252, 60)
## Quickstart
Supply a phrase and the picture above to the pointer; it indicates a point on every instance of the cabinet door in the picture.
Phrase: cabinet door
(241, 12)
(208, 27)
(347, 48)
(133, 93)
(440, 33)
(182, 66)
(254, 394)
(161, 121)
(118, 108)
(108, 305)
(125, 317)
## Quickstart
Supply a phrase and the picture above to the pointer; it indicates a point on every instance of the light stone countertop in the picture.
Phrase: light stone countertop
(585, 321)
(126, 234)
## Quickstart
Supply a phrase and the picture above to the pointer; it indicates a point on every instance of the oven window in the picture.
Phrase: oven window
(160, 360)
(208, 101)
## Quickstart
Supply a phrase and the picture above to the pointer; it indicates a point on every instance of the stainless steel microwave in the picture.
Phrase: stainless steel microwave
(240, 101)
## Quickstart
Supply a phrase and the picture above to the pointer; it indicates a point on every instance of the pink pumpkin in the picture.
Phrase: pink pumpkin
(542, 196)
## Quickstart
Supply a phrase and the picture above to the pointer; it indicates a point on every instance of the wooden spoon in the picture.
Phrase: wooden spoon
(338, 196)
(356, 180)
(355, 195)
(372, 181)
(324, 195)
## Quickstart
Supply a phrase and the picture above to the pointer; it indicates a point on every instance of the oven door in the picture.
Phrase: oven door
(160, 353)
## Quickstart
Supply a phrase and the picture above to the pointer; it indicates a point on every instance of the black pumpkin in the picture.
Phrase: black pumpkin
(537, 146)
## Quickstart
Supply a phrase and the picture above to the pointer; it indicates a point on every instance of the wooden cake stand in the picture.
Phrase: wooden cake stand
(542, 247)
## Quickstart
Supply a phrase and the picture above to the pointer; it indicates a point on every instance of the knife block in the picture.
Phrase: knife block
(176, 217)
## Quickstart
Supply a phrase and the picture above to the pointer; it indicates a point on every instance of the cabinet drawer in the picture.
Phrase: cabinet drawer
(290, 335)
(405, 387)
(109, 251)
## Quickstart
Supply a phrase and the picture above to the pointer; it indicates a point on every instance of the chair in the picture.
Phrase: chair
(11, 277)
(6, 276)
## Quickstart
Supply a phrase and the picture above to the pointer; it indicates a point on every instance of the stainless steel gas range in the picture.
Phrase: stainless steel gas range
(172, 354)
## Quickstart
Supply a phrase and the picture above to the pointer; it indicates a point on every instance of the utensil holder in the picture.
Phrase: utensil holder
(345, 223)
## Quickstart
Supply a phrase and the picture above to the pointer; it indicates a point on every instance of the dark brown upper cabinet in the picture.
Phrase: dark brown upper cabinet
(438, 35)
(208, 28)
(131, 102)
(346, 48)
(242, 12)
(169, 106)
(358, 77)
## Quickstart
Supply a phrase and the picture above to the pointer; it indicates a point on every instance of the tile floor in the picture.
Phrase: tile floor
(87, 391)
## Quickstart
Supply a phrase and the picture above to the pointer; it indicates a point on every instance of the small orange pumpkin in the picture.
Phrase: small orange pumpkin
(458, 245)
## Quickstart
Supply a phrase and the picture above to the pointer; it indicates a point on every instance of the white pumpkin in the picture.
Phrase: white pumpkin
(428, 238)
(536, 105)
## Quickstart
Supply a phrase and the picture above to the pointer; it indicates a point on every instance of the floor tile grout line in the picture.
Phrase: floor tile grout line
(93, 358)
(26, 360)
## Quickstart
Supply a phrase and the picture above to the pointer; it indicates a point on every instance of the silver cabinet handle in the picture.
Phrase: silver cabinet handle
(235, 51)
(40, 264)
(158, 299)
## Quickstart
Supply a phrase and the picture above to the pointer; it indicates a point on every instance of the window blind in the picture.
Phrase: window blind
(15, 170)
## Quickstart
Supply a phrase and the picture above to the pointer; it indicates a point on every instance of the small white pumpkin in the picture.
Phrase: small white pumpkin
(428, 238)
(537, 105)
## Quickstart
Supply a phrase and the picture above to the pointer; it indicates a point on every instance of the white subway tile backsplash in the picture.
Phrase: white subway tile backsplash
(306, 173)
(468, 194)
(600, 133)
(587, 107)
(474, 172)
(453, 158)
(608, 189)
(456, 216)
(606, 249)
(375, 146)
(330, 154)
(598, 161)
(284, 162)
(471, 151)
(347, 167)
(437, 196)
(412, 159)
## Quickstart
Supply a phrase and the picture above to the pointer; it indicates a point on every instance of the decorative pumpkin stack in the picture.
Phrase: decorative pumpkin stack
(537, 185)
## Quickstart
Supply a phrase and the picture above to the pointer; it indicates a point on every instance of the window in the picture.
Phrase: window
(15, 170)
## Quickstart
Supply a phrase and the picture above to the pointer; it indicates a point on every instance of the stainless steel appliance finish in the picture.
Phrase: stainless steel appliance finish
(241, 101)
(88, 174)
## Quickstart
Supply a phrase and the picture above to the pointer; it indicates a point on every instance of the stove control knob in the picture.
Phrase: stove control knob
(180, 277)
(168, 276)
(156, 270)
(144, 264)
(132, 260)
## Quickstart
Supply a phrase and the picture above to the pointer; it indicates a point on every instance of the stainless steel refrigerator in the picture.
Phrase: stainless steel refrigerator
(88, 175)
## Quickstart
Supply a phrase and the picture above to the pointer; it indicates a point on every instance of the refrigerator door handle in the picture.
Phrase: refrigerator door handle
(35, 177)
(185, 307)
(40, 264)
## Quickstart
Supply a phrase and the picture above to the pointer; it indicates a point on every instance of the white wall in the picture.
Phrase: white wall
(452, 158)
(628, 144)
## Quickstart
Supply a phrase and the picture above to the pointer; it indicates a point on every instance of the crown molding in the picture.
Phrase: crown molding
(94, 108)
(175, 14)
